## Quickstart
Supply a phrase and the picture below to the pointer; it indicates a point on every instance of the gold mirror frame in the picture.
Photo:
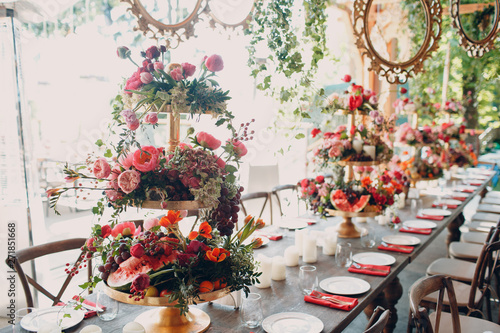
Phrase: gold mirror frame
(475, 49)
(397, 72)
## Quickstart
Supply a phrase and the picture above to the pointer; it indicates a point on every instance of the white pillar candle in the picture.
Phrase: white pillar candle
(299, 237)
(133, 327)
(320, 237)
(310, 250)
(292, 256)
(91, 329)
(278, 272)
(265, 267)
(370, 151)
(382, 219)
(401, 200)
(330, 245)
(357, 145)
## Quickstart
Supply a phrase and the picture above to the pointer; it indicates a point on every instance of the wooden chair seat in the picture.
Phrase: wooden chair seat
(465, 251)
(490, 200)
(480, 226)
(474, 237)
(493, 194)
(462, 292)
(486, 216)
(377, 321)
(488, 209)
(456, 269)
(467, 324)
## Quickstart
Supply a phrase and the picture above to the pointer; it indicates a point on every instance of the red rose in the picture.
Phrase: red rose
(357, 90)
(137, 250)
(90, 244)
(403, 90)
(214, 63)
(355, 102)
(105, 231)
(320, 179)
(304, 182)
(152, 52)
(346, 78)
(315, 132)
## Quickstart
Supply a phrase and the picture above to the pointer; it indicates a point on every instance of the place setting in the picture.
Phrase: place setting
(421, 227)
(372, 263)
(437, 214)
(446, 203)
(399, 243)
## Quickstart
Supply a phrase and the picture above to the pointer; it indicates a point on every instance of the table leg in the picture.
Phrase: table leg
(454, 229)
(388, 300)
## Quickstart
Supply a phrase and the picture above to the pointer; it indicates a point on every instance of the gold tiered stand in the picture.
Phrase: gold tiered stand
(166, 318)
(347, 229)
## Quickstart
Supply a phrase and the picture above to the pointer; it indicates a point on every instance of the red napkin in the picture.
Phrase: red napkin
(416, 230)
(311, 222)
(476, 184)
(367, 271)
(397, 248)
(467, 190)
(449, 206)
(275, 237)
(346, 307)
(430, 217)
(459, 198)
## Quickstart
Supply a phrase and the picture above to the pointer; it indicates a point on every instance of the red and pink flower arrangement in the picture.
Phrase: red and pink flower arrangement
(354, 99)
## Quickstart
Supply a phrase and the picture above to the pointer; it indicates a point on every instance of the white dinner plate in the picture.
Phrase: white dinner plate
(435, 212)
(459, 194)
(463, 188)
(293, 224)
(448, 202)
(344, 285)
(295, 322)
(53, 315)
(373, 258)
(401, 240)
(419, 224)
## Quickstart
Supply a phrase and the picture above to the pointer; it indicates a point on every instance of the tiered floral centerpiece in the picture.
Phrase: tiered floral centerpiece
(156, 259)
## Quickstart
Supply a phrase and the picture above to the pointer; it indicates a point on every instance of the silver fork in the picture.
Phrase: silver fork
(317, 295)
(358, 266)
(394, 246)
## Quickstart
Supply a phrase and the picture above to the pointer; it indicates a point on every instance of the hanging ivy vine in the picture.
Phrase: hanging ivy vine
(293, 34)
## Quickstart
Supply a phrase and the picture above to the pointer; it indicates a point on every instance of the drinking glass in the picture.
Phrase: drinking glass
(107, 308)
(343, 255)
(251, 311)
(416, 206)
(29, 318)
(308, 279)
(368, 238)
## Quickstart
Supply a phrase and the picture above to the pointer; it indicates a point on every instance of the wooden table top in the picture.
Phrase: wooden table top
(284, 296)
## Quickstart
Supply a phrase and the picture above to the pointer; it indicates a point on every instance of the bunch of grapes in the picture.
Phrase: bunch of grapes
(352, 195)
(151, 243)
(226, 213)
(112, 262)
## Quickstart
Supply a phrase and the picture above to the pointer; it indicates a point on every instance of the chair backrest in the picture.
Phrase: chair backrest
(265, 198)
(485, 264)
(292, 190)
(38, 251)
(378, 320)
(424, 287)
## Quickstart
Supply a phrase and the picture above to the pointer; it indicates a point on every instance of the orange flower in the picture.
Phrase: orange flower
(405, 152)
(52, 191)
(259, 223)
(204, 231)
(172, 217)
(390, 190)
(217, 254)
(248, 218)
(366, 181)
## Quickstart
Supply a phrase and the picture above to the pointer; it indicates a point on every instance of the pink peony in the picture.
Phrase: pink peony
(188, 69)
(150, 223)
(151, 118)
(101, 168)
(134, 125)
(125, 161)
(134, 82)
(176, 74)
(158, 66)
(129, 180)
(125, 229)
(184, 146)
(130, 119)
(146, 77)
(105, 230)
(146, 159)
(207, 140)
(239, 148)
(320, 179)
(220, 162)
(214, 63)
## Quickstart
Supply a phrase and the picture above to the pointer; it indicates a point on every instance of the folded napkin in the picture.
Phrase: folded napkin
(311, 222)
(448, 206)
(275, 237)
(430, 217)
(371, 270)
(88, 313)
(467, 190)
(416, 230)
(346, 307)
(459, 198)
(476, 184)
(397, 248)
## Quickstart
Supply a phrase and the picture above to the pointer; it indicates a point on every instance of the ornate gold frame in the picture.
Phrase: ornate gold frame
(475, 49)
(184, 29)
(392, 71)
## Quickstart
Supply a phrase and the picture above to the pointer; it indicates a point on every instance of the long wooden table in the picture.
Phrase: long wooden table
(285, 296)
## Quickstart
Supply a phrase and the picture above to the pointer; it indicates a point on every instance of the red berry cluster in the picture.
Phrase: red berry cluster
(246, 135)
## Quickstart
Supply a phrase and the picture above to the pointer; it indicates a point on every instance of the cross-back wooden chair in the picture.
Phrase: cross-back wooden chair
(440, 321)
(291, 188)
(34, 252)
(378, 320)
(265, 196)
